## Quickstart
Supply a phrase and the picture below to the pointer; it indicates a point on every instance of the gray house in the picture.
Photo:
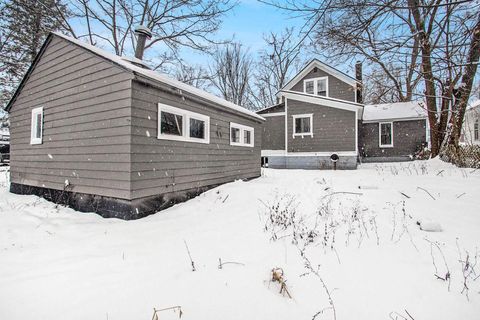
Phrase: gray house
(317, 117)
(320, 118)
(105, 134)
(393, 131)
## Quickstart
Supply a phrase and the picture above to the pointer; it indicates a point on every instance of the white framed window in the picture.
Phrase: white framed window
(182, 125)
(316, 86)
(36, 132)
(241, 135)
(309, 86)
(385, 134)
(302, 125)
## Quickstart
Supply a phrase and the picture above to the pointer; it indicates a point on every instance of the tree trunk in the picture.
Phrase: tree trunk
(427, 73)
(463, 93)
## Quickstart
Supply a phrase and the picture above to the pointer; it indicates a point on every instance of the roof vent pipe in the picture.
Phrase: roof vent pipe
(358, 76)
(142, 33)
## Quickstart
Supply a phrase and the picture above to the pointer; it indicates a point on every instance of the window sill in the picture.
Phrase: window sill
(238, 144)
(386, 146)
(182, 139)
(302, 135)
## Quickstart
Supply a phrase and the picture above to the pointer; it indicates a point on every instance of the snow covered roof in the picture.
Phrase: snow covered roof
(394, 111)
(159, 76)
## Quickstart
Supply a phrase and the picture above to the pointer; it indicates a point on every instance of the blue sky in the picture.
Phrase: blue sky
(251, 19)
(246, 24)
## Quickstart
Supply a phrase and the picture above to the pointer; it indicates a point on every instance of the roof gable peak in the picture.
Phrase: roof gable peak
(316, 63)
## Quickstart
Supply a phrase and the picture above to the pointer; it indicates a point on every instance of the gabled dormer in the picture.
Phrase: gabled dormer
(320, 79)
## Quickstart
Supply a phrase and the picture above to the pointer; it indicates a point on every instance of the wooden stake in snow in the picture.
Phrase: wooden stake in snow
(188, 251)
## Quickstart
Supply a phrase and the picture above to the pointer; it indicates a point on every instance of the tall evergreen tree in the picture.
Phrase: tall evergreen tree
(25, 25)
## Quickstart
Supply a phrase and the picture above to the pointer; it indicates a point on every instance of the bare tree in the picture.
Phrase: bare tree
(377, 87)
(445, 30)
(276, 64)
(174, 24)
(195, 76)
(231, 73)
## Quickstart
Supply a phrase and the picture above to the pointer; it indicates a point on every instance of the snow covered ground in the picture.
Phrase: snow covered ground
(364, 245)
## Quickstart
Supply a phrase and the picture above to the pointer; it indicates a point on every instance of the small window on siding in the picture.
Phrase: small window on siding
(316, 86)
(182, 125)
(476, 128)
(302, 125)
(322, 87)
(171, 123)
(197, 128)
(36, 133)
(310, 87)
(235, 135)
(241, 135)
(386, 134)
(247, 137)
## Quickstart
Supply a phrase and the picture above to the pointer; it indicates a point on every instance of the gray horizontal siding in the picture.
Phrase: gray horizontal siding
(273, 135)
(336, 88)
(408, 137)
(178, 184)
(333, 129)
(160, 166)
(87, 123)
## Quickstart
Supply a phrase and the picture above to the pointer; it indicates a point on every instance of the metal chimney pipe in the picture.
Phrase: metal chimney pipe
(142, 33)
(359, 77)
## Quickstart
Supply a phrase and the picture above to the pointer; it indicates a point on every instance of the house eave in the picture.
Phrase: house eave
(394, 119)
(174, 90)
(323, 101)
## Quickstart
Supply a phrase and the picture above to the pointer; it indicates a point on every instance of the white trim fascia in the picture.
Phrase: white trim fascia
(380, 145)
(394, 120)
(242, 129)
(33, 139)
(302, 134)
(319, 100)
(271, 153)
(322, 66)
(273, 114)
(186, 115)
(322, 154)
(359, 105)
(286, 125)
(282, 153)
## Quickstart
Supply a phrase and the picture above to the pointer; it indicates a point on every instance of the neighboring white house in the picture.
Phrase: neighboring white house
(471, 125)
